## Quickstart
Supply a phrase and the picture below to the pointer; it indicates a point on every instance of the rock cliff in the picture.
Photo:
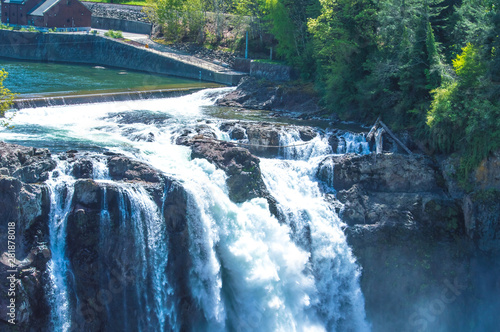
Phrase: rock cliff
(423, 249)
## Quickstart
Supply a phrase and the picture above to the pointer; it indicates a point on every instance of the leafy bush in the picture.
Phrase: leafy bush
(6, 27)
(114, 34)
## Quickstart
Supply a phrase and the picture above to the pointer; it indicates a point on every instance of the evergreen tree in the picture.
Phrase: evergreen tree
(344, 36)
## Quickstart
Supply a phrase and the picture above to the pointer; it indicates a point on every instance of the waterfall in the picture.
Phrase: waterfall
(353, 143)
(338, 299)
(61, 195)
(295, 148)
(247, 270)
(141, 215)
(248, 273)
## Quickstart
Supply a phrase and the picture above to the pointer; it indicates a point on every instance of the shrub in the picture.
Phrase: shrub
(114, 34)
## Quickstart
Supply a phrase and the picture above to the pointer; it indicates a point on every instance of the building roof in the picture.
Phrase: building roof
(42, 7)
(15, 1)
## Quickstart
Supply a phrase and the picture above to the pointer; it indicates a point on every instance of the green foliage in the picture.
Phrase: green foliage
(344, 36)
(6, 99)
(6, 27)
(463, 116)
(287, 21)
(468, 66)
(114, 34)
(124, 2)
(178, 18)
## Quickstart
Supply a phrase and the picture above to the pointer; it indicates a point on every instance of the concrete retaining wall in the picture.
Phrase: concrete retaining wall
(107, 23)
(270, 71)
(242, 64)
(99, 50)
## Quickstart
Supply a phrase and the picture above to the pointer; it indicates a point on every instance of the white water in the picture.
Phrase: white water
(249, 272)
(61, 194)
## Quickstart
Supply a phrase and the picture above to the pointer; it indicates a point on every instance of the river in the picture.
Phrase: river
(249, 270)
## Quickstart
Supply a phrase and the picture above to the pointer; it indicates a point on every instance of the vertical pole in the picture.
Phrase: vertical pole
(246, 46)
(271, 53)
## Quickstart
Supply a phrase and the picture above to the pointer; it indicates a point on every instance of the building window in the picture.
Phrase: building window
(67, 20)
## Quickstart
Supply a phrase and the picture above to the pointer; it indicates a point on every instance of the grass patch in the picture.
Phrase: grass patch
(273, 62)
(114, 34)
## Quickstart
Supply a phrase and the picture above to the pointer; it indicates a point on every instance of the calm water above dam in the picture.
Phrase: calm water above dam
(48, 78)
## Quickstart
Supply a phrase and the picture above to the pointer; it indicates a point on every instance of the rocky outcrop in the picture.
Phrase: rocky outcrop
(186, 135)
(24, 210)
(29, 165)
(264, 95)
(123, 168)
(391, 189)
(482, 219)
(487, 175)
(383, 173)
(244, 177)
(423, 252)
(103, 245)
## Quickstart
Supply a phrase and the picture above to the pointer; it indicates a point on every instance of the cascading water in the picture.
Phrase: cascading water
(142, 216)
(61, 194)
(317, 227)
(247, 271)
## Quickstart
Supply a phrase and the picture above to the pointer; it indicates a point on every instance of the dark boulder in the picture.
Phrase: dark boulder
(382, 173)
(237, 133)
(83, 168)
(482, 219)
(123, 168)
(186, 135)
(244, 177)
(28, 164)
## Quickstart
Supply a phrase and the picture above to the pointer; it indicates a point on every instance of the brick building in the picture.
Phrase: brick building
(46, 13)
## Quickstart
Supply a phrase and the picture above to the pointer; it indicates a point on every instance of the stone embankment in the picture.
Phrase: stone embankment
(117, 11)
